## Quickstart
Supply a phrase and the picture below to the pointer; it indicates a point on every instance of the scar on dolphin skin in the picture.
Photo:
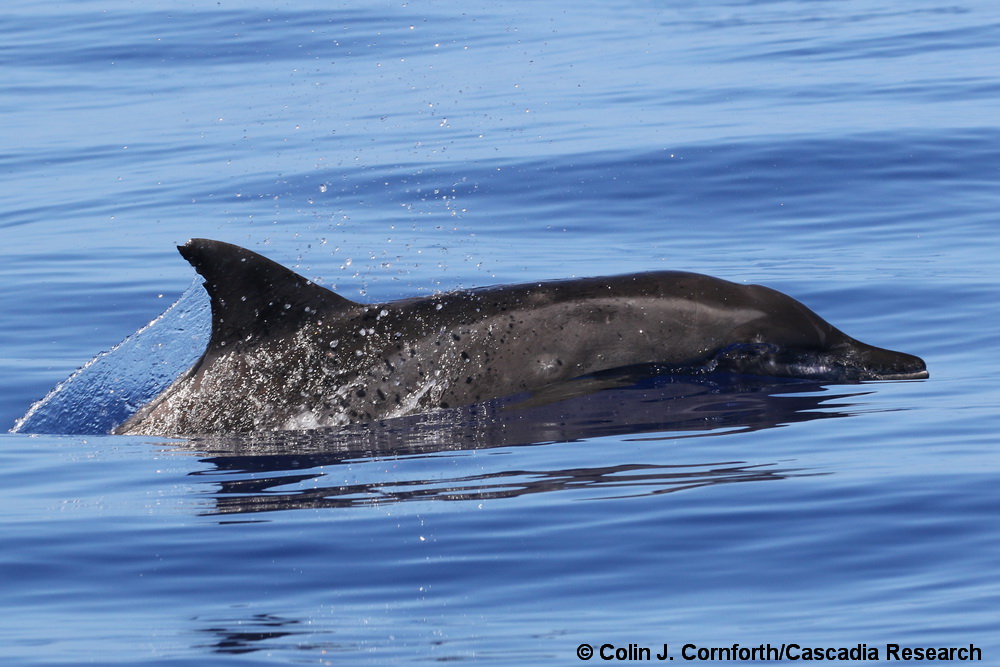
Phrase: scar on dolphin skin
(285, 353)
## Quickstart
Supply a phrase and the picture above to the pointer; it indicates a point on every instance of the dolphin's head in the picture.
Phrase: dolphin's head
(788, 339)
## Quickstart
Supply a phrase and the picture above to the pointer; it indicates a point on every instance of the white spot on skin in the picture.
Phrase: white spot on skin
(411, 403)
(305, 420)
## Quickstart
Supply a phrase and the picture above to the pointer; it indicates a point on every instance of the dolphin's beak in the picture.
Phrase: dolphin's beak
(876, 363)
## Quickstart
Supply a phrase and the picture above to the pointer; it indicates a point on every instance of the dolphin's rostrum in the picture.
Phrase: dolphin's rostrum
(286, 353)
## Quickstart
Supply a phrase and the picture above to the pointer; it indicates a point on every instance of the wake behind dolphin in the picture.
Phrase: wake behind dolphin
(285, 353)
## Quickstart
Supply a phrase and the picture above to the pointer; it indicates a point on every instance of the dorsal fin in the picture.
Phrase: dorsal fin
(253, 296)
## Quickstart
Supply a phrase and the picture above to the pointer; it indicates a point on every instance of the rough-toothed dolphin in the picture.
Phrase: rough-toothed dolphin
(286, 353)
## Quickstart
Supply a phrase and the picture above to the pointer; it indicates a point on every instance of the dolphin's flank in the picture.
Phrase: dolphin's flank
(285, 353)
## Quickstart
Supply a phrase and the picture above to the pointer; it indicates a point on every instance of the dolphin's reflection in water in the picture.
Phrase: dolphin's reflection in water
(296, 470)
(245, 635)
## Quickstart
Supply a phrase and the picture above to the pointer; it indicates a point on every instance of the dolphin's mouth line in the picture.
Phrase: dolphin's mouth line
(823, 366)
(892, 377)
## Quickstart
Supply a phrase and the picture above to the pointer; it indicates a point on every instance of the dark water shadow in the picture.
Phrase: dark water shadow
(237, 636)
(295, 470)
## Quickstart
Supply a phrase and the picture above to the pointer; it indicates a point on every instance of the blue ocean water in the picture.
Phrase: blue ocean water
(845, 154)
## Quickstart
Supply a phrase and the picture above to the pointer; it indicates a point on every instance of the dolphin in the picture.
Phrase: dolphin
(288, 354)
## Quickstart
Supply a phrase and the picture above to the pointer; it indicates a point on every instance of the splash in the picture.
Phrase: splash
(109, 388)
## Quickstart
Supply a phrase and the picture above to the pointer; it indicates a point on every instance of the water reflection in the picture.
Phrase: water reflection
(634, 479)
(299, 470)
(245, 635)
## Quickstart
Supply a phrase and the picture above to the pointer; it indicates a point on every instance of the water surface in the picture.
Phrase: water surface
(844, 154)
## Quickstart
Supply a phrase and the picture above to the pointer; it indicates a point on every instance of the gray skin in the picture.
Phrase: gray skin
(286, 353)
